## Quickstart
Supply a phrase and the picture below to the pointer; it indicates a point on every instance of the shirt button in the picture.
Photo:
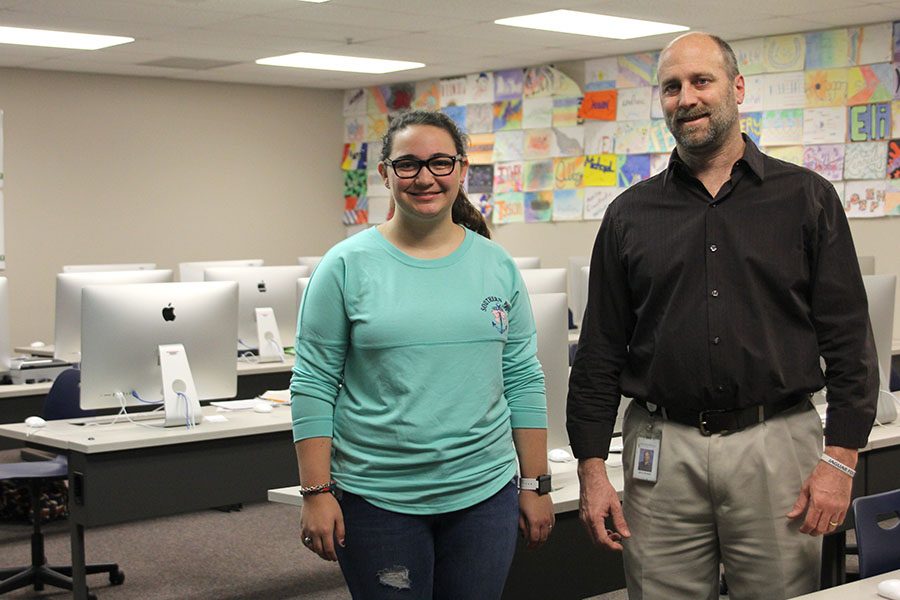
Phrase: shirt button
(716, 341)
(714, 293)
(713, 248)
(720, 388)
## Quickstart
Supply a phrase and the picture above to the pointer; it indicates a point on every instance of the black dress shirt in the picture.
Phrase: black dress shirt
(703, 303)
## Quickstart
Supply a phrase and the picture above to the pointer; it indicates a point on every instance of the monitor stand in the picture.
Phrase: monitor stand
(270, 347)
(179, 392)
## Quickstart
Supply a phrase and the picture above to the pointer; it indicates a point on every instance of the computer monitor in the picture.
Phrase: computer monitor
(5, 355)
(544, 281)
(309, 261)
(124, 328)
(264, 287)
(109, 267)
(575, 291)
(67, 327)
(527, 262)
(552, 323)
(880, 291)
(193, 271)
(301, 289)
(583, 277)
(866, 264)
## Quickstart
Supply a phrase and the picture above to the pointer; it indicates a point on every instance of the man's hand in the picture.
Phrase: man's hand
(598, 501)
(825, 495)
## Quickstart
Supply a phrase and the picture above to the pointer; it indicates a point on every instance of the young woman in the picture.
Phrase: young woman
(416, 385)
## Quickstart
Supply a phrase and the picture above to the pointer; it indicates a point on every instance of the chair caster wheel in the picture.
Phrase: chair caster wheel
(117, 578)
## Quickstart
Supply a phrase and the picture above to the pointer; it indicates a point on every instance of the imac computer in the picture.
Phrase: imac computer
(109, 267)
(5, 355)
(527, 262)
(866, 264)
(162, 343)
(267, 313)
(552, 323)
(67, 327)
(544, 281)
(193, 271)
(880, 291)
(575, 293)
(309, 261)
(583, 276)
(301, 289)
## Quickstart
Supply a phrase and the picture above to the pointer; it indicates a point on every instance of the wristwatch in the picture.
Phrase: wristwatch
(541, 485)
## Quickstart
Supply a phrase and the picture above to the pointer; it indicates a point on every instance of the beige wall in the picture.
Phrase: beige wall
(105, 169)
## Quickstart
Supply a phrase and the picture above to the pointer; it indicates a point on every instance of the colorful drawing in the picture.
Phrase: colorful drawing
(824, 125)
(869, 122)
(509, 207)
(481, 149)
(538, 175)
(568, 205)
(355, 129)
(538, 143)
(661, 139)
(864, 199)
(565, 112)
(600, 74)
(827, 49)
(568, 173)
(355, 203)
(600, 170)
(865, 160)
(537, 112)
(454, 91)
(751, 124)
(568, 141)
(507, 177)
(637, 70)
(376, 126)
(754, 91)
(479, 118)
(873, 43)
(458, 114)
(632, 168)
(428, 95)
(781, 127)
(633, 137)
(538, 206)
(539, 82)
(633, 104)
(784, 53)
(791, 154)
(485, 205)
(355, 103)
(784, 90)
(870, 83)
(508, 84)
(508, 145)
(892, 197)
(827, 87)
(480, 88)
(749, 54)
(480, 179)
(896, 45)
(598, 105)
(826, 159)
(354, 157)
(508, 115)
(563, 85)
(597, 200)
(384, 99)
(893, 159)
(599, 137)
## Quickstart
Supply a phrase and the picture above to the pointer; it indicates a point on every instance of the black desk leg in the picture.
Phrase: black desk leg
(834, 567)
(79, 577)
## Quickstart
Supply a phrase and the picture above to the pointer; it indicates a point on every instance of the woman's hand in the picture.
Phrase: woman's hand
(536, 517)
(322, 524)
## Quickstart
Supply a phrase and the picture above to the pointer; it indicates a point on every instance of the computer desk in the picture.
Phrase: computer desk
(864, 589)
(126, 472)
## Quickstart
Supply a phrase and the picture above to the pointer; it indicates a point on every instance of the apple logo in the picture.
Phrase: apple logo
(261, 287)
(168, 313)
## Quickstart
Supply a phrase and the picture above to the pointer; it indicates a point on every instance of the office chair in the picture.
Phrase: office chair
(879, 547)
(62, 402)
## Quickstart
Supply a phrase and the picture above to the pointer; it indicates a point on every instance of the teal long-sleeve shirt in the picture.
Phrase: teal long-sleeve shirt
(418, 370)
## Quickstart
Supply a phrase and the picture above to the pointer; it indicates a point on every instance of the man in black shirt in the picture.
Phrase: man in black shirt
(715, 287)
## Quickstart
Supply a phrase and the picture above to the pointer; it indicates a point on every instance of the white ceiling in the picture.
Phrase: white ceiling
(453, 37)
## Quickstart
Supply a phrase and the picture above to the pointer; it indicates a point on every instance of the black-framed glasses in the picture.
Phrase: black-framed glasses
(408, 168)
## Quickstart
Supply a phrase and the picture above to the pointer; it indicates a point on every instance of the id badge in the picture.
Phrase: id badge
(646, 457)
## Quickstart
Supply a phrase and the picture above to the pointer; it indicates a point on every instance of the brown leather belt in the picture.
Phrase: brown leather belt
(722, 421)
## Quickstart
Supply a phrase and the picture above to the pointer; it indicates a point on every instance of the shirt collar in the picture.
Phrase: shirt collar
(752, 158)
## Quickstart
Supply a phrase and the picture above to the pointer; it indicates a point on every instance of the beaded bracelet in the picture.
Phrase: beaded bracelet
(322, 488)
(838, 465)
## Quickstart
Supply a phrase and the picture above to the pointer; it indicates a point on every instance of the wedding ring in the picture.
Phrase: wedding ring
(833, 524)
(307, 541)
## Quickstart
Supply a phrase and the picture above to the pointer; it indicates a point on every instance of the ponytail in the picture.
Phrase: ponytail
(464, 213)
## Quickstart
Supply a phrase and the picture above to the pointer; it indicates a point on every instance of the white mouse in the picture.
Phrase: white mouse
(35, 422)
(262, 407)
(559, 455)
(37, 344)
(889, 588)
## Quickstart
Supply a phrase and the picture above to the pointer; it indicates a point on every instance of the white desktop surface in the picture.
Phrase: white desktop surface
(883, 436)
(864, 589)
(91, 439)
(18, 390)
(45, 350)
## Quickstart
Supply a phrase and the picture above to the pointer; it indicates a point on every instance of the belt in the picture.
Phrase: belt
(723, 421)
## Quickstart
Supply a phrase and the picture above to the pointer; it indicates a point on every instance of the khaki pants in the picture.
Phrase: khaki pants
(721, 498)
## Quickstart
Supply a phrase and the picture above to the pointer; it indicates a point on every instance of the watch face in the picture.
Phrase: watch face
(544, 484)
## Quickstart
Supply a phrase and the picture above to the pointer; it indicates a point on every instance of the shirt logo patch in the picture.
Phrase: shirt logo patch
(498, 309)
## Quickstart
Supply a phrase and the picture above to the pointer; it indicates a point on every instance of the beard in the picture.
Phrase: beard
(694, 137)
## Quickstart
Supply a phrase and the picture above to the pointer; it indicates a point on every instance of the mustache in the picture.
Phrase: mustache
(687, 115)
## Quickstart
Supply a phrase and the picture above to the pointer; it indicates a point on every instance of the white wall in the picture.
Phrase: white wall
(124, 169)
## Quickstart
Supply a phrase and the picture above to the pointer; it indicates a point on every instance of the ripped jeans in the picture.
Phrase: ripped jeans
(460, 555)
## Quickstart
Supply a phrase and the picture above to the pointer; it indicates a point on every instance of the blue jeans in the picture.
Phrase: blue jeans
(460, 555)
